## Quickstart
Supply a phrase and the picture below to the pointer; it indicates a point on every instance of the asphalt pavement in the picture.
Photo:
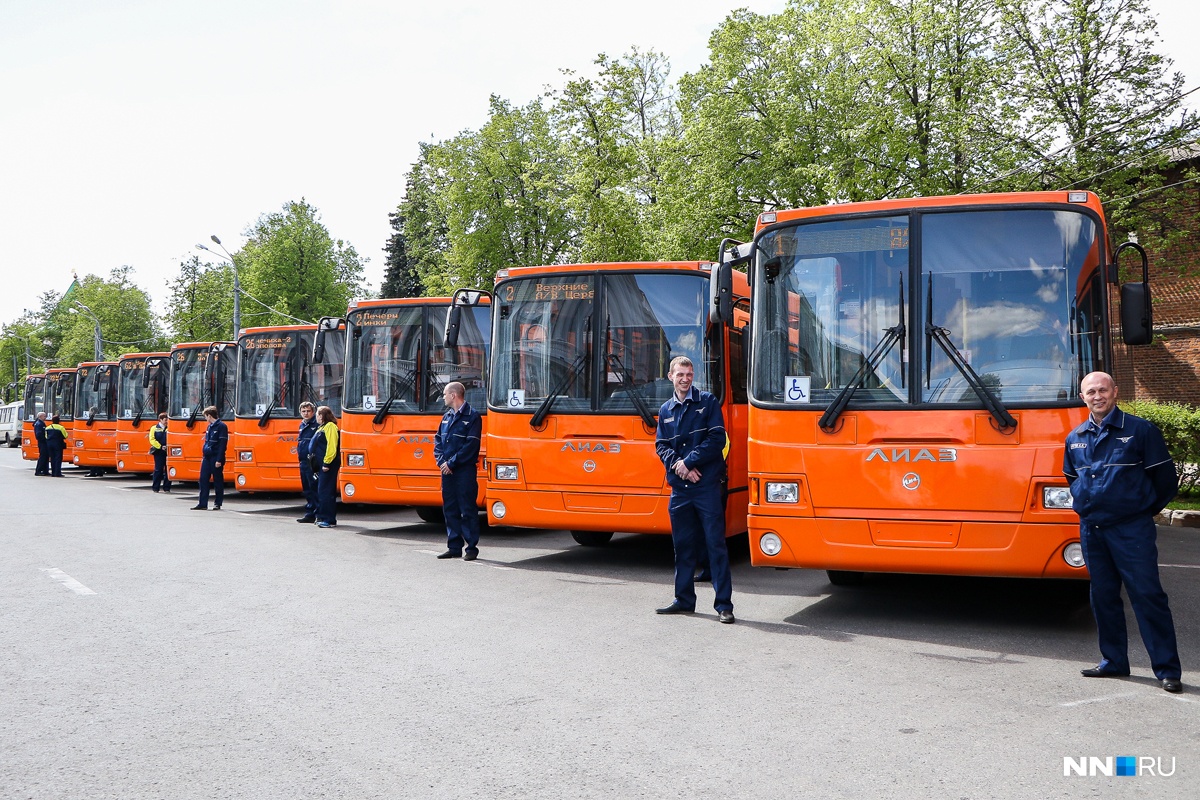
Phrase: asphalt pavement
(151, 651)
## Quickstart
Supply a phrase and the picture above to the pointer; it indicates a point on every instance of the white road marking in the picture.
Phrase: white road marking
(1098, 699)
(430, 552)
(1181, 566)
(66, 580)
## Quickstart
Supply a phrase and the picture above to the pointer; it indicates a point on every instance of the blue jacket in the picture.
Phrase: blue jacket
(308, 427)
(216, 439)
(1119, 469)
(457, 440)
(693, 430)
(39, 431)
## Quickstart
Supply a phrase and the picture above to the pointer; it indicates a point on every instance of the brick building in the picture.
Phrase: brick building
(1169, 368)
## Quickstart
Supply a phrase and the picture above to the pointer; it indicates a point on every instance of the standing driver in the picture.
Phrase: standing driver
(212, 461)
(39, 434)
(1121, 475)
(690, 442)
(456, 449)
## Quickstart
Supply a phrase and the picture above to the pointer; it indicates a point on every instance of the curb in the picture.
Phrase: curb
(1179, 518)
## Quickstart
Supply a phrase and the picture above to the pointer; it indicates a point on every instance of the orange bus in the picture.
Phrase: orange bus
(60, 400)
(34, 404)
(96, 424)
(141, 397)
(275, 374)
(397, 365)
(202, 374)
(915, 369)
(580, 363)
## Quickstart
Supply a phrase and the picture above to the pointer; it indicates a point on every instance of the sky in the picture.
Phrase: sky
(130, 131)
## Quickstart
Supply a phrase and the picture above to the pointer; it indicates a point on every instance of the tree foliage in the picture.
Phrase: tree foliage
(200, 305)
(400, 277)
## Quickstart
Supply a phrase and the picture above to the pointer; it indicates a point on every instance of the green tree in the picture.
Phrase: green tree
(291, 263)
(127, 323)
(200, 305)
(400, 277)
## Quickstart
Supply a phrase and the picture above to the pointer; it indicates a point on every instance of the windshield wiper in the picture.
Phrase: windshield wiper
(896, 333)
(137, 415)
(577, 366)
(275, 401)
(406, 382)
(191, 423)
(942, 337)
(627, 382)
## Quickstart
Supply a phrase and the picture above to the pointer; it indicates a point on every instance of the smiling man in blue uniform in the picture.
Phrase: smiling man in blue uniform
(456, 450)
(690, 442)
(1121, 475)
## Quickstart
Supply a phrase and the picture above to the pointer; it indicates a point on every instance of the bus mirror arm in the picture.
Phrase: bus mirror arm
(1137, 318)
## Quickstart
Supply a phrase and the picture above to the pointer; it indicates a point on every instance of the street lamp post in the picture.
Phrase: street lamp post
(237, 287)
(96, 331)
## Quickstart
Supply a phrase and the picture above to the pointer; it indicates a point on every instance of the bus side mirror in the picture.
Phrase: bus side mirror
(96, 377)
(720, 294)
(1137, 316)
(468, 298)
(324, 325)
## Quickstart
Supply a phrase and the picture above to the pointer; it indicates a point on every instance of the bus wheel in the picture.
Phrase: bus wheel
(592, 538)
(431, 514)
(843, 578)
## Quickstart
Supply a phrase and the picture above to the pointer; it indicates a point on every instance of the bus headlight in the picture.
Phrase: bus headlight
(356, 460)
(241, 480)
(783, 493)
(176, 452)
(79, 442)
(348, 490)
(770, 544)
(506, 472)
(120, 465)
(123, 447)
(1073, 554)
(1056, 497)
(245, 455)
(498, 510)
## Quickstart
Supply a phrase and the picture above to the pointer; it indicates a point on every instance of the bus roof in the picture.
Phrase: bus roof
(60, 370)
(398, 301)
(128, 356)
(96, 363)
(616, 266)
(192, 346)
(1083, 198)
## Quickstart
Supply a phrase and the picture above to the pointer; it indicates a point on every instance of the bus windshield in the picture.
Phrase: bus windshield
(34, 397)
(187, 395)
(595, 339)
(62, 399)
(96, 393)
(136, 402)
(271, 374)
(395, 359)
(1015, 291)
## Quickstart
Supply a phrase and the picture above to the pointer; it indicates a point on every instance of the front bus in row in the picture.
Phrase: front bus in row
(397, 364)
(915, 371)
(60, 401)
(34, 404)
(580, 363)
(277, 371)
(142, 380)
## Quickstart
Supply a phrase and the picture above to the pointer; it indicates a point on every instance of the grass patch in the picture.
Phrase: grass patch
(1190, 503)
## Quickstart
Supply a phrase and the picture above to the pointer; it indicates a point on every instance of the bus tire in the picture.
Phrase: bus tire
(592, 538)
(840, 577)
(431, 514)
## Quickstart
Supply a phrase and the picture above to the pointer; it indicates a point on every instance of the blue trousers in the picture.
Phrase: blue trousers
(459, 490)
(1128, 554)
(43, 461)
(327, 496)
(697, 527)
(308, 485)
(210, 471)
(160, 479)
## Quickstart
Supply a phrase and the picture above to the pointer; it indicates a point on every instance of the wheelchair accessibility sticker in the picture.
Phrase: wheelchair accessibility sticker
(796, 388)
(516, 398)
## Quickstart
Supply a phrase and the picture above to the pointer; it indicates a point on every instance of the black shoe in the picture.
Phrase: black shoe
(153, 490)
(216, 508)
(470, 555)
(1172, 685)
(307, 518)
(450, 554)
(725, 616)
(199, 508)
(1098, 672)
(675, 608)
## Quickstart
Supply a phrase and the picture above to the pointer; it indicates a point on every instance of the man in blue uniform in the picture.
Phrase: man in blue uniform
(212, 461)
(308, 484)
(456, 450)
(690, 442)
(39, 436)
(1121, 475)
